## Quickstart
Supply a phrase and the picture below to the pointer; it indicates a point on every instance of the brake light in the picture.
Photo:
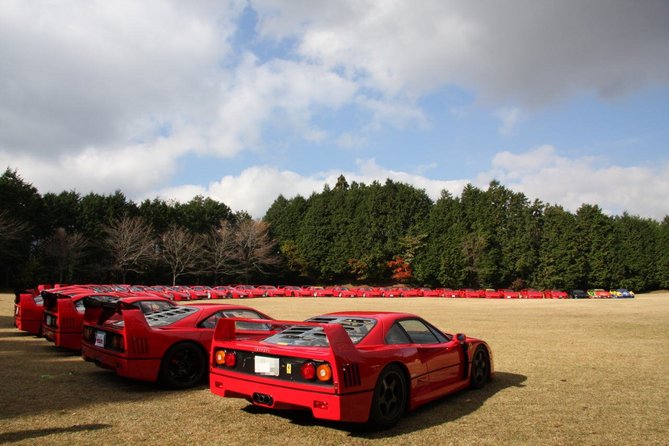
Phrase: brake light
(308, 370)
(324, 372)
(226, 358)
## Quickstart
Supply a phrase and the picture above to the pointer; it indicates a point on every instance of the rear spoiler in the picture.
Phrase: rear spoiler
(338, 339)
(100, 308)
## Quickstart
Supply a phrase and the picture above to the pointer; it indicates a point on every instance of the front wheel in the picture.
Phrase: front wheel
(183, 366)
(390, 397)
(480, 368)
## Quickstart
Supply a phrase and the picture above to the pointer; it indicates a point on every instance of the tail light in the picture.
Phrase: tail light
(116, 343)
(308, 370)
(311, 371)
(227, 358)
(324, 372)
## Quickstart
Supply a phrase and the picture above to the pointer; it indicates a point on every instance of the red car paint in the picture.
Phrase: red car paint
(358, 351)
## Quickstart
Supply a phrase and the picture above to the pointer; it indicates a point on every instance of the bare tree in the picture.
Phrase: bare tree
(131, 243)
(64, 250)
(181, 250)
(221, 251)
(10, 229)
(256, 251)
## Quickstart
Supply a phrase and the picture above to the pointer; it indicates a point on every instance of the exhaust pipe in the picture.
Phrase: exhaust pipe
(261, 398)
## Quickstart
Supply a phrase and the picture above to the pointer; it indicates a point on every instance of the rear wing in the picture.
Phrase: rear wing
(101, 308)
(339, 341)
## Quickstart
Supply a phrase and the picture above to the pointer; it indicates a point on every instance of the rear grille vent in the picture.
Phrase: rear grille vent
(139, 345)
(351, 374)
(68, 323)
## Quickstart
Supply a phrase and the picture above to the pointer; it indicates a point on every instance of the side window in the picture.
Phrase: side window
(396, 335)
(418, 332)
(210, 322)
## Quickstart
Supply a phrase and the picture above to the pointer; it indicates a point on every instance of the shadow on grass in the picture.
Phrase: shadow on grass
(47, 379)
(11, 437)
(438, 412)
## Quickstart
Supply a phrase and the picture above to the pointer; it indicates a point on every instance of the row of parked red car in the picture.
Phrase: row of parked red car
(249, 291)
(346, 366)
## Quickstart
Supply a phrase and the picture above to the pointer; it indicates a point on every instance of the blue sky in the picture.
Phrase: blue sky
(564, 101)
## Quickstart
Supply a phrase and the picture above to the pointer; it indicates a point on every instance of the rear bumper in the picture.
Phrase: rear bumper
(67, 340)
(31, 326)
(142, 369)
(327, 406)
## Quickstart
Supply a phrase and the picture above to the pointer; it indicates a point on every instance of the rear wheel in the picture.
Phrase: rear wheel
(480, 368)
(390, 397)
(183, 366)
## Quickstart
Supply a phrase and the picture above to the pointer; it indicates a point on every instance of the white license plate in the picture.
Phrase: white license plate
(100, 338)
(267, 366)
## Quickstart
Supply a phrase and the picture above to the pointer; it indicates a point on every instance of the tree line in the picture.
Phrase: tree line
(357, 233)
(493, 238)
(69, 238)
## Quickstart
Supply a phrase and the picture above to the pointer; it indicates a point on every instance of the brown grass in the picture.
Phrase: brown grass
(568, 372)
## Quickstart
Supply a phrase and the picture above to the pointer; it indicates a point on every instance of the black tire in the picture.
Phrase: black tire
(184, 365)
(480, 368)
(390, 397)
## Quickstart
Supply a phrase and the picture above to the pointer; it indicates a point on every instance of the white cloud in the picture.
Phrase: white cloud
(543, 174)
(532, 53)
(99, 74)
(540, 173)
(256, 188)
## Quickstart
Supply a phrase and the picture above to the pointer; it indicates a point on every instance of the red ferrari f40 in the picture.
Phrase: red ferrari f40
(348, 366)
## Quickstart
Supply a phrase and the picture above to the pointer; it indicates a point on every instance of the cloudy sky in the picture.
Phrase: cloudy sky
(565, 101)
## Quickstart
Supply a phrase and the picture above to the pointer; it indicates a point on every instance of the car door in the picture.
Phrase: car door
(441, 356)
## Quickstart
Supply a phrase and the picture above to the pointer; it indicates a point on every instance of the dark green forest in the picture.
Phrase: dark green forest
(351, 233)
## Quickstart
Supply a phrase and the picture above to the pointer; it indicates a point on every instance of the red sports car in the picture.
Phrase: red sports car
(509, 294)
(531, 293)
(170, 346)
(471, 293)
(64, 313)
(348, 366)
(28, 312)
(555, 294)
(489, 293)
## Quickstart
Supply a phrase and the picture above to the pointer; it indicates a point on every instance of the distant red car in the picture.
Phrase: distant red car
(367, 291)
(531, 293)
(489, 293)
(292, 291)
(28, 312)
(342, 291)
(427, 292)
(250, 290)
(509, 294)
(555, 294)
(471, 293)
(64, 313)
(447, 292)
(348, 366)
(170, 346)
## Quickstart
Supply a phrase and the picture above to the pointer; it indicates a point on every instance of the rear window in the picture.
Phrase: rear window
(356, 328)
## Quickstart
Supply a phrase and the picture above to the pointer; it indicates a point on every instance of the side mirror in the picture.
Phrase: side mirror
(461, 337)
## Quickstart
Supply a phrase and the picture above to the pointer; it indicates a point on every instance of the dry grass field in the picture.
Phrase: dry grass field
(592, 372)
